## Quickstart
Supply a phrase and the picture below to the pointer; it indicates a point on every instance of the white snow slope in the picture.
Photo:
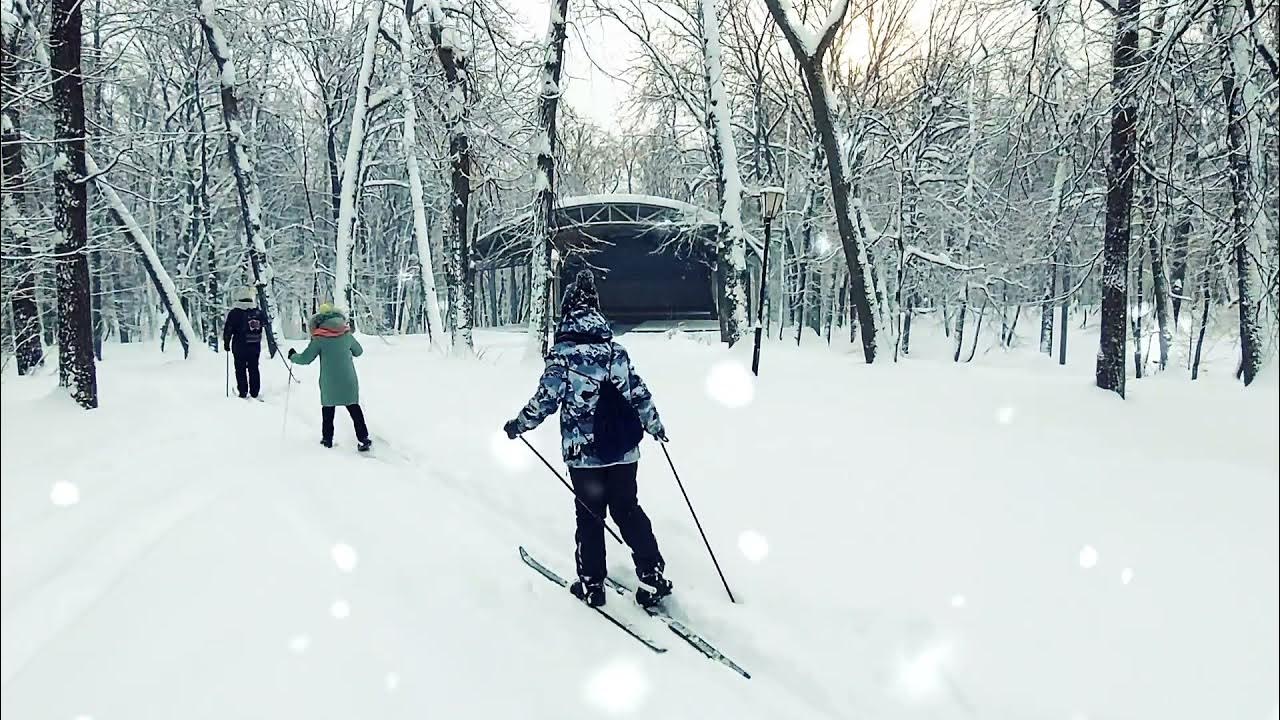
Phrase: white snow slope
(993, 540)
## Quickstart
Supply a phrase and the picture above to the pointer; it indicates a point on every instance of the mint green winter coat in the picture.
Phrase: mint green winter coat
(333, 343)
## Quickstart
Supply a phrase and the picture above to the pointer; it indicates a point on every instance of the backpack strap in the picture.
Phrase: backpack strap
(613, 354)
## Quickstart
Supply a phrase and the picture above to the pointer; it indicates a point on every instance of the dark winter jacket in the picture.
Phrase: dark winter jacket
(333, 343)
(583, 356)
(243, 329)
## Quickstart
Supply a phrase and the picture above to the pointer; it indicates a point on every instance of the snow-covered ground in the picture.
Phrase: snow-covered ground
(920, 540)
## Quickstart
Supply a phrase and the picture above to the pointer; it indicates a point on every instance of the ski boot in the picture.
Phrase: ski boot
(326, 443)
(364, 445)
(653, 588)
(592, 595)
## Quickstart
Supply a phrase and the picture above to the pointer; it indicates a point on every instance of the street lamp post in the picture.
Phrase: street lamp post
(771, 200)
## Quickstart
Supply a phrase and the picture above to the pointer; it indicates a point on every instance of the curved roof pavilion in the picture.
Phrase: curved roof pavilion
(650, 254)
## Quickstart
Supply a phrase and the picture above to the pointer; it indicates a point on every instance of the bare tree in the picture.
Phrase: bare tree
(731, 236)
(1110, 373)
(76, 370)
(160, 278)
(240, 156)
(455, 104)
(809, 49)
(1236, 65)
(351, 165)
(13, 192)
(544, 184)
(409, 137)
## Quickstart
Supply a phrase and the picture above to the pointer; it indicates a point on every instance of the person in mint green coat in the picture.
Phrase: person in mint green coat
(333, 343)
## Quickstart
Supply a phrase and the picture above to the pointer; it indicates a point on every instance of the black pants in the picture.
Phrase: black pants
(357, 419)
(248, 380)
(614, 488)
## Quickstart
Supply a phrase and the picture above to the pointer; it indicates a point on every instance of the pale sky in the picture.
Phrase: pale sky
(588, 89)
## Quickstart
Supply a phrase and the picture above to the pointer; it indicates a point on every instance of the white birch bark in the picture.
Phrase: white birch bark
(422, 238)
(343, 278)
(731, 244)
(164, 285)
(544, 191)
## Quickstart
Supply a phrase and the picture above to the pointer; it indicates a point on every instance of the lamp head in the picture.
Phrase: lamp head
(772, 200)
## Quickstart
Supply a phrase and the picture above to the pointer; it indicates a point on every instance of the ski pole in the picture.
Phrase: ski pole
(288, 385)
(226, 375)
(569, 487)
(288, 367)
(696, 522)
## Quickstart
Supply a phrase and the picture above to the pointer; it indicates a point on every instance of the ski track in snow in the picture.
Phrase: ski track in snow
(200, 556)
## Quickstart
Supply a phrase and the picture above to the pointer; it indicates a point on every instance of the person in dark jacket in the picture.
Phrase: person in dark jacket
(583, 357)
(333, 343)
(242, 337)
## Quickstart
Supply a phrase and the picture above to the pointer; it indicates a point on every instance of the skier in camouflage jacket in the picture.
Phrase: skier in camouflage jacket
(585, 355)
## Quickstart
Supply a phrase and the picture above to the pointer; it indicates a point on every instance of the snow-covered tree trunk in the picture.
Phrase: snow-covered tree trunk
(1061, 172)
(544, 182)
(1241, 156)
(731, 236)
(1206, 297)
(1160, 296)
(454, 106)
(22, 298)
(1064, 305)
(421, 236)
(1049, 20)
(971, 170)
(1046, 307)
(1179, 243)
(240, 156)
(212, 306)
(76, 370)
(1110, 369)
(168, 292)
(1139, 300)
(908, 201)
(351, 175)
(809, 49)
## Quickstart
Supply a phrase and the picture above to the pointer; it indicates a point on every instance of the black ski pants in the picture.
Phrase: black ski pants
(612, 488)
(357, 419)
(248, 380)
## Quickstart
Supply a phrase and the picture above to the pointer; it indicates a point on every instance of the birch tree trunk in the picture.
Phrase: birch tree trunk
(76, 370)
(1110, 369)
(168, 292)
(544, 184)
(240, 156)
(809, 50)
(422, 238)
(351, 175)
(731, 242)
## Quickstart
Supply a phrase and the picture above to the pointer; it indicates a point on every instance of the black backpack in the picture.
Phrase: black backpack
(253, 327)
(616, 426)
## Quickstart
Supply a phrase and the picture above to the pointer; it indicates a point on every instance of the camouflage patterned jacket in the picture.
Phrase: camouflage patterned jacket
(580, 359)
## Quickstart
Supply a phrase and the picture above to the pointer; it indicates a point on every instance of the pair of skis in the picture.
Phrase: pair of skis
(680, 629)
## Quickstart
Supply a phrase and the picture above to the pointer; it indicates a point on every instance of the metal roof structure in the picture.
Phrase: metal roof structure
(583, 220)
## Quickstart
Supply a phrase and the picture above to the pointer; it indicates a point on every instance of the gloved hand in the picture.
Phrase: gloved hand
(660, 435)
(292, 352)
(512, 429)
(227, 346)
